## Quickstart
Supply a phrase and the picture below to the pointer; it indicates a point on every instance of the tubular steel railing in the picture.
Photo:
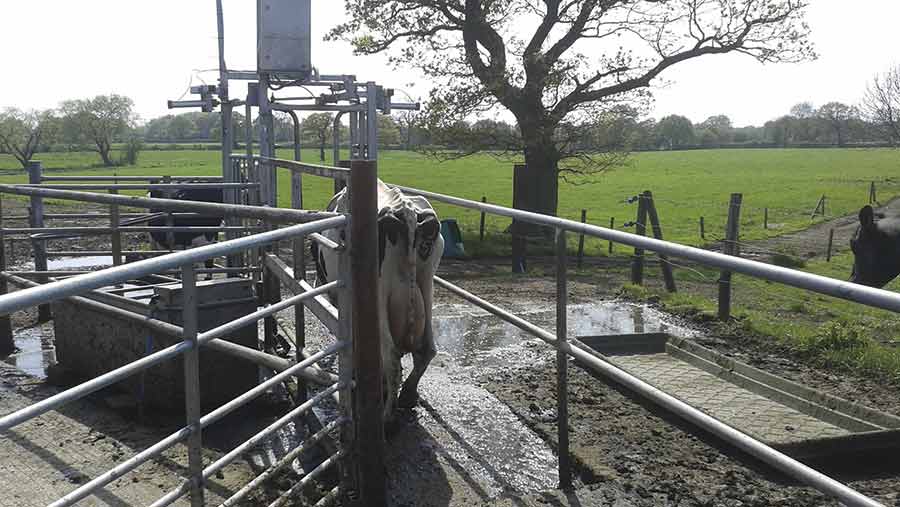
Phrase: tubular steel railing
(191, 340)
(865, 295)
(242, 203)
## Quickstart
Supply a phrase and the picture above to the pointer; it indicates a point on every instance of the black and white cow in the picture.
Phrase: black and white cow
(183, 240)
(876, 248)
(409, 251)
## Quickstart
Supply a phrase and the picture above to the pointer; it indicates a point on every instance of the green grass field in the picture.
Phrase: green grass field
(686, 185)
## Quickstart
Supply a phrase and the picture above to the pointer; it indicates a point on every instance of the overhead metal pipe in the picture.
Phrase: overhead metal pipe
(141, 186)
(277, 215)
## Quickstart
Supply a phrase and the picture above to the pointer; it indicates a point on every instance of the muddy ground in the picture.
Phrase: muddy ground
(629, 451)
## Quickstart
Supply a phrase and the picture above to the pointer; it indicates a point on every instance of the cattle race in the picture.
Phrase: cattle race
(404, 254)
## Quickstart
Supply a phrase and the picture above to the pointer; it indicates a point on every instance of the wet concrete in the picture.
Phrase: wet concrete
(35, 351)
(466, 446)
(77, 263)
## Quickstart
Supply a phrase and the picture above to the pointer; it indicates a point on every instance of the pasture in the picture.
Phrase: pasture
(686, 185)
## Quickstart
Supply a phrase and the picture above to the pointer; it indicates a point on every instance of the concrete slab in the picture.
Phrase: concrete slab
(50, 456)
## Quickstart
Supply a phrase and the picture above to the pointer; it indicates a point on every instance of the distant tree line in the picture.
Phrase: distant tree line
(98, 123)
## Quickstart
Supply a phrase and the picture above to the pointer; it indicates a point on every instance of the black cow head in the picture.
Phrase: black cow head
(876, 250)
(394, 225)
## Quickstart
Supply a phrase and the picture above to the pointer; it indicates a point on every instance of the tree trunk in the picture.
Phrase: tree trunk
(538, 187)
(103, 149)
(322, 152)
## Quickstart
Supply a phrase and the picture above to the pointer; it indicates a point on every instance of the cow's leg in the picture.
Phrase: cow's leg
(409, 395)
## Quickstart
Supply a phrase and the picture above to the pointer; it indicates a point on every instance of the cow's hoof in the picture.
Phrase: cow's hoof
(408, 399)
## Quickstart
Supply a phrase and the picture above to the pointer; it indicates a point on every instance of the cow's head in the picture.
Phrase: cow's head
(875, 249)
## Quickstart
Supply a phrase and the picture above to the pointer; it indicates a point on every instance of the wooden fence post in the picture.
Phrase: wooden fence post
(765, 218)
(640, 226)
(481, 224)
(36, 219)
(702, 229)
(872, 198)
(581, 239)
(830, 242)
(657, 233)
(612, 225)
(7, 343)
(732, 233)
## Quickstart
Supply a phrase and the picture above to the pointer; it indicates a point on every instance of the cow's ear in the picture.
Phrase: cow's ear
(867, 218)
(429, 227)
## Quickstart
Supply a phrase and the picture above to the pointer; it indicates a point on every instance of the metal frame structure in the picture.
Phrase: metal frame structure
(356, 264)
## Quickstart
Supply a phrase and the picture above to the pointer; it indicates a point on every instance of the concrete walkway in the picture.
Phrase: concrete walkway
(50, 456)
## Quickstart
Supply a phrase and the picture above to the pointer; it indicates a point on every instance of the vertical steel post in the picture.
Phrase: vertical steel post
(248, 130)
(116, 234)
(372, 120)
(354, 135)
(349, 470)
(298, 256)
(170, 219)
(192, 409)
(369, 400)
(562, 363)
(731, 248)
(266, 144)
(336, 139)
(7, 343)
(36, 219)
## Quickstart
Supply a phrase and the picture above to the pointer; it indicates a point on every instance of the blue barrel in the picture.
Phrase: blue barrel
(453, 242)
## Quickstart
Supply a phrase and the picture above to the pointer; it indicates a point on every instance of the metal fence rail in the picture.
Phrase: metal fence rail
(824, 285)
(191, 341)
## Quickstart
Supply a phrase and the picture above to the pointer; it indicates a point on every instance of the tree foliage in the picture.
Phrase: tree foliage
(95, 123)
(23, 133)
(555, 64)
(881, 104)
(318, 126)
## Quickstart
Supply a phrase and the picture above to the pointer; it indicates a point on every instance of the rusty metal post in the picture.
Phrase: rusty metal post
(7, 343)
(731, 248)
(481, 224)
(36, 219)
(369, 400)
(193, 411)
(612, 225)
(581, 239)
(562, 364)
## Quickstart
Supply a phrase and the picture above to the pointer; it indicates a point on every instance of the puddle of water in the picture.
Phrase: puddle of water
(76, 263)
(472, 338)
(35, 350)
(70, 263)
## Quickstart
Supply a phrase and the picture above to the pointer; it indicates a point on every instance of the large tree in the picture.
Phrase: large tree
(22, 133)
(675, 131)
(562, 62)
(95, 123)
(838, 117)
(318, 126)
(881, 104)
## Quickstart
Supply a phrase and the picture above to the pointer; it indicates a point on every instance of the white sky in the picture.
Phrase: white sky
(57, 49)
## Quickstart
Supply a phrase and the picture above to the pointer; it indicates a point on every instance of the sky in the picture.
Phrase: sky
(152, 51)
